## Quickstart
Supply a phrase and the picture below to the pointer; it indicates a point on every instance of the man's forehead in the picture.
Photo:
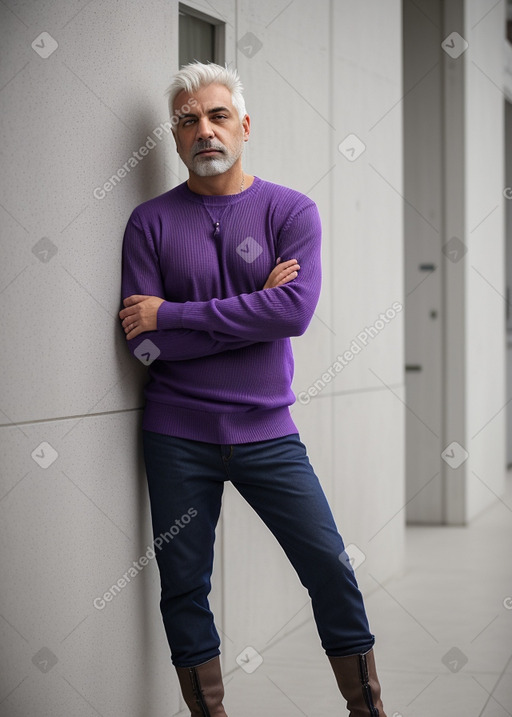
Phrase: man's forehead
(207, 97)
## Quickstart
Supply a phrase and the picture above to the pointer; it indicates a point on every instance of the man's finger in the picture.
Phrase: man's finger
(134, 299)
(124, 313)
(133, 333)
(291, 276)
(289, 270)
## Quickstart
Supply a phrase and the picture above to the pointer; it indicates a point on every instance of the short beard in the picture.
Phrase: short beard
(211, 166)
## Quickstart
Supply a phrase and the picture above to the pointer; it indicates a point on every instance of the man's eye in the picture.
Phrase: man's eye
(220, 117)
(187, 122)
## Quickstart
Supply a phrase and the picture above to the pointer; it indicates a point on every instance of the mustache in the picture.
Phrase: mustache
(208, 144)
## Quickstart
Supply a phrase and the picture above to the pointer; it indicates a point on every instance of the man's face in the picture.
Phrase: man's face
(209, 136)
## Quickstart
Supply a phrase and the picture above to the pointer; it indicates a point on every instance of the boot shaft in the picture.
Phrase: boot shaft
(357, 680)
(202, 688)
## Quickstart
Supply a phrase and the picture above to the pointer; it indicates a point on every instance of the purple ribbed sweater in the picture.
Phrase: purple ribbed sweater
(225, 367)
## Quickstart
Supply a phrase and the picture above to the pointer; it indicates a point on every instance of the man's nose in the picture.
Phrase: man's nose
(204, 129)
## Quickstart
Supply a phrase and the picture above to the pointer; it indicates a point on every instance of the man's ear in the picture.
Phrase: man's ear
(246, 124)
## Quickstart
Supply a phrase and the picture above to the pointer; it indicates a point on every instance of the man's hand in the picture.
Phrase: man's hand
(140, 311)
(139, 314)
(282, 273)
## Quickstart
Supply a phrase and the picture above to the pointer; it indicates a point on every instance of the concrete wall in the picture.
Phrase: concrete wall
(507, 83)
(508, 241)
(73, 501)
(485, 261)
(72, 528)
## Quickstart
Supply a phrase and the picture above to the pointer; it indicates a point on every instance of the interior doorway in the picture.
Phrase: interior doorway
(423, 219)
(435, 276)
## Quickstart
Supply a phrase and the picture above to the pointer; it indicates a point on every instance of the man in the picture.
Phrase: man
(218, 274)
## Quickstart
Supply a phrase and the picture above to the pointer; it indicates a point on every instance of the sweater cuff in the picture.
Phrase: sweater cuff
(169, 315)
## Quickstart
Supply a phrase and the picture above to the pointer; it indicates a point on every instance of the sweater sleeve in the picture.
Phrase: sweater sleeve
(267, 314)
(141, 275)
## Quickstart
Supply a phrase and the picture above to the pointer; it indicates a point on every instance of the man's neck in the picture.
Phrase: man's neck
(233, 181)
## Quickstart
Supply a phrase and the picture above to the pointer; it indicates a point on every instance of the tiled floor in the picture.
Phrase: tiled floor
(443, 630)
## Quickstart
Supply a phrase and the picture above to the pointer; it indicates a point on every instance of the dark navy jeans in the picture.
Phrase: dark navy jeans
(186, 480)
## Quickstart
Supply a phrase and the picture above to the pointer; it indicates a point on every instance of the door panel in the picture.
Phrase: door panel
(423, 260)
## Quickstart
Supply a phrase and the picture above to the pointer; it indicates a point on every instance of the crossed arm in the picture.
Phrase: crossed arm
(140, 312)
(189, 330)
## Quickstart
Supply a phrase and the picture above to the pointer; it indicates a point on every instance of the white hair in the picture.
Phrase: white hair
(196, 74)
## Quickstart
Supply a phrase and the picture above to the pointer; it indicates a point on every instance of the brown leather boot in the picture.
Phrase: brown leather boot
(202, 688)
(358, 682)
